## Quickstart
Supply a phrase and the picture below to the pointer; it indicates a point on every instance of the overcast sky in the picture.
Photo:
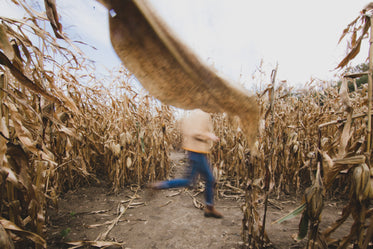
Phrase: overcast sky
(234, 35)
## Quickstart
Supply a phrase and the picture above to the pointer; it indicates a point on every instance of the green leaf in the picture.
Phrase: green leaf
(65, 232)
(292, 214)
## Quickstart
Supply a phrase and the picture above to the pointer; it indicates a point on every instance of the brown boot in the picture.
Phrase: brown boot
(210, 211)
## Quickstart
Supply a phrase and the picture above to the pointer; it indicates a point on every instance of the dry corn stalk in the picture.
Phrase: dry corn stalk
(73, 133)
(297, 122)
(67, 134)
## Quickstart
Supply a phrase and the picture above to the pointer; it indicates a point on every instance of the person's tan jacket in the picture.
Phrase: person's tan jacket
(197, 132)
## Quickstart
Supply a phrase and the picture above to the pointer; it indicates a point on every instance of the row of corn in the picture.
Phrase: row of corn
(58, 134)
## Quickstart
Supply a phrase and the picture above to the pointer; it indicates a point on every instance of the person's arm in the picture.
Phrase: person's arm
(205, 137)
(199, 127)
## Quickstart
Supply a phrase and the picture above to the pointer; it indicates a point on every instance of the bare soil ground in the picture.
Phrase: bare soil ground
(167, 219)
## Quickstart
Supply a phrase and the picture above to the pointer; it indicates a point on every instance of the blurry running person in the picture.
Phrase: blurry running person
(197, 141)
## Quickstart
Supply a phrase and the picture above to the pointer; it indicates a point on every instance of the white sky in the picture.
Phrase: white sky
(234, 35)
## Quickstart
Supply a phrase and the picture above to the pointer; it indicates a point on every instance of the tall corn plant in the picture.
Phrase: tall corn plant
(57, 133)
(295, 127)
(31, 104)
(343, 150)
(135, 132)
(298, 117)
(351, 153)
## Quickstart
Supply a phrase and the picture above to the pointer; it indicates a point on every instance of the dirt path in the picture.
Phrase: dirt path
(158, 219)
(161, 219)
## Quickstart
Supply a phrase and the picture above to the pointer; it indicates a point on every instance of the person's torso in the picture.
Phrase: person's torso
(197, 122)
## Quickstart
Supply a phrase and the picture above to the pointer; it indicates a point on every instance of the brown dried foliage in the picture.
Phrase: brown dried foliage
(316, 120)
(57, 133)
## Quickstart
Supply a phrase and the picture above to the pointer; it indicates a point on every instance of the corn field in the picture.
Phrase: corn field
(63, 128)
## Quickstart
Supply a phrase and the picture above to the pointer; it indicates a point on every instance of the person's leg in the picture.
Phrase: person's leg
(205, 170)
(174, 183)
(180, 182)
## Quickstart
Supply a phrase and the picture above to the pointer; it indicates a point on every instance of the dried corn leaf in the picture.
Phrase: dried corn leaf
(328, 163)
(77, 244)
(67, 131)
(23, 134)
(346, 135)
(24, 80)
(50, 7)
(24, 102)
(4, 134)
(353, 39)
(19, 161)
(17, 60)
(343, 93)
(332, 174)
(347, 29)
(170, 71)
(356, 49)
(5, 44)
(5, 240)
(10, 176)
(67, 102)
(350, 160)
(8, 225)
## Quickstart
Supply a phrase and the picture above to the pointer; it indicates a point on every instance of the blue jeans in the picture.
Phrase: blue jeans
(199, 165)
